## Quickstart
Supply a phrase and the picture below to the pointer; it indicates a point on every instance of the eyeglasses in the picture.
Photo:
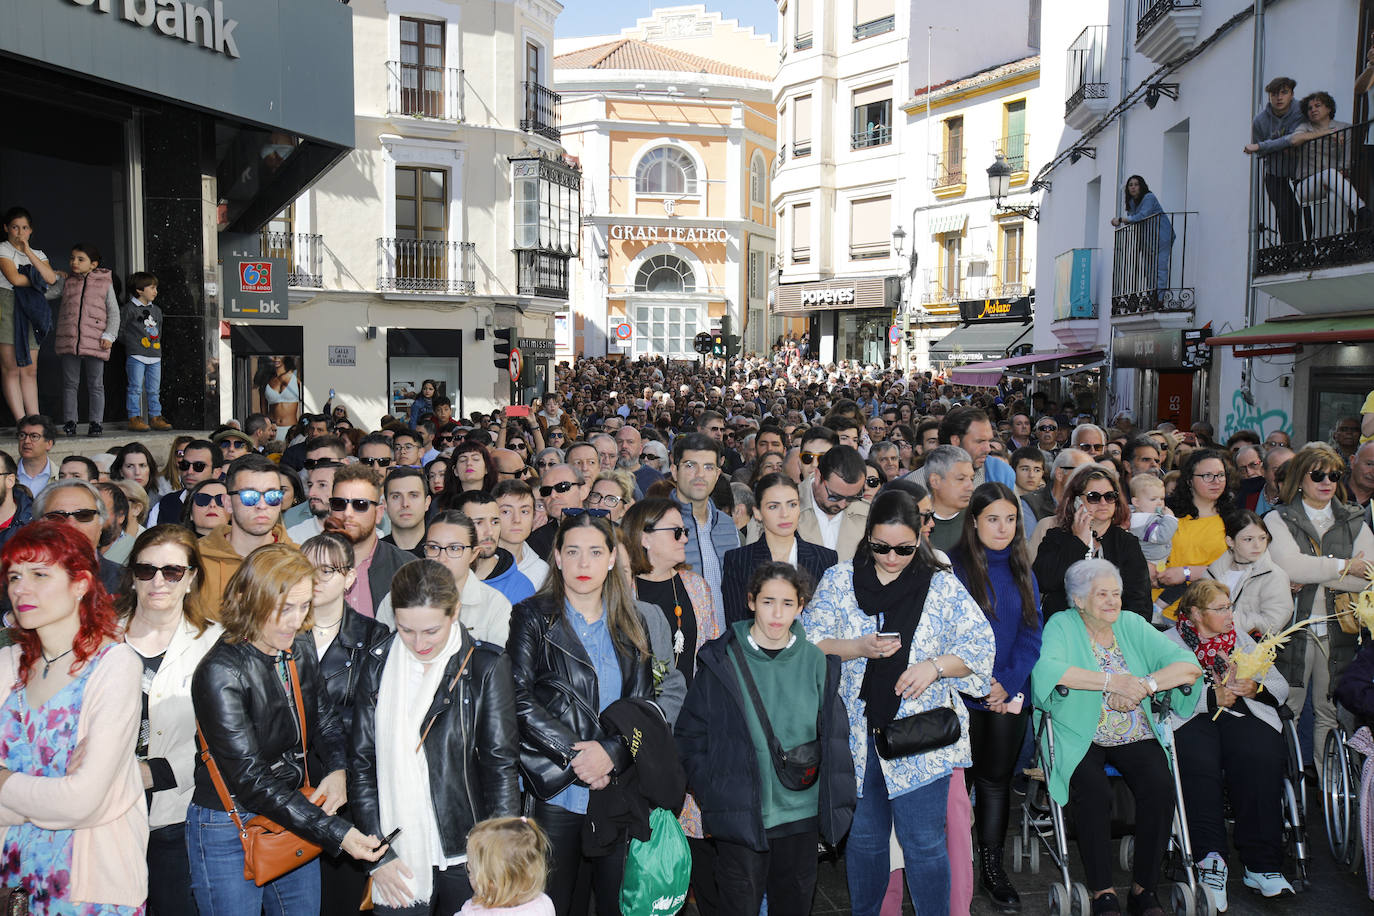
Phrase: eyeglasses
(198, 466)
(442, 440)
(341, 504)
(31, 437)
(518, 472)
(562, 486)
(1098, 496)
(872, 482)
(1220, 610)
(679, 532)
(808, 457)
(1318, 476)
(455, 551)
(375, 462)
(1274, 444)
(1211, 477)
(251, 498)
(557, 435)
(204, 499)
(547, 463)
(144, 572)
(609, 499)
(1094, 448)
(80, 516)
(882, 550)
(518, 445)
(594, 513)
(405, 446)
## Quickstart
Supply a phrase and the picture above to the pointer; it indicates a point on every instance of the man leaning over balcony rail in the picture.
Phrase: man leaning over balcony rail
(1269, 134)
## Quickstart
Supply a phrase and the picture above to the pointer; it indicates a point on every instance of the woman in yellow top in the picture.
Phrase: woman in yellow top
(1201, 498)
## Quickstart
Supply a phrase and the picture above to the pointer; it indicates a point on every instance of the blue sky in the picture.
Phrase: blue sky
(590, 17)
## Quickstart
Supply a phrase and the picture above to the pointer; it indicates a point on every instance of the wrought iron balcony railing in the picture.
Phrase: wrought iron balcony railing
(1150, 12)
(426, 266)
(873, 135)
(302, 250)
(1087, 77)
(949, 169)
(543, 111)
(424, 92)
(1150, 266)
(542, 273)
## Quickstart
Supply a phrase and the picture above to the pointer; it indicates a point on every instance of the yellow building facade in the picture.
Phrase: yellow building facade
(673, 125)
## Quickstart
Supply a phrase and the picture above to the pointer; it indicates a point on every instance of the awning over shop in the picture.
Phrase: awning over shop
(976, 342)
(988, 374)
(1293, 332)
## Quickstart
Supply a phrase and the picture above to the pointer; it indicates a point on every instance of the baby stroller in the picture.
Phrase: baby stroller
(1069, 898)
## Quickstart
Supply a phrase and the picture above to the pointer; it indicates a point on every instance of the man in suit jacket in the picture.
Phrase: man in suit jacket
(833, 512)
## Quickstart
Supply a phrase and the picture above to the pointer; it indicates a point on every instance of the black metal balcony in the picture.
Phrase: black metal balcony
(1314, 213)
(542, 273)
(1150, 266)
(949, 170)
(875, 27)
(874, 135)
(1087, 76)
(1150, 12)
(425, 266)
(301, 250)
(424, 92)
(543, 112)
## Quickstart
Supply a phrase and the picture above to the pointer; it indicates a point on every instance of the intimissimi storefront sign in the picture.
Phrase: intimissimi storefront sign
(182, 19)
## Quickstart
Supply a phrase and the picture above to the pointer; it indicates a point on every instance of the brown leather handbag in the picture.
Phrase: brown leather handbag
(269, 849)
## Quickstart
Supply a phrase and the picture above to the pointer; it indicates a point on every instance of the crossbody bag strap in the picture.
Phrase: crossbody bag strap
(451, 685)
(753, 689)
(217, 779)
(300, 714)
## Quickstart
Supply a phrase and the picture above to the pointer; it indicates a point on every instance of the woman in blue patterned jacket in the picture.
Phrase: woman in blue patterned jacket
(935, 643)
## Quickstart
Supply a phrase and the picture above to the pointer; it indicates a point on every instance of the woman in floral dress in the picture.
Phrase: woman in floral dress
(75, 825)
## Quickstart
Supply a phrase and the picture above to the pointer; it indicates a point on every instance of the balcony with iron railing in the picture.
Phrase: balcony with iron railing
(1007, 278)
(418, 91)
(1087, 78)
(950, 174)
(426, 266)
(1315, 230)
(873, 27)
(543, 112)
(303, 251)
(1164, 29)
(871, 136)
(1014, 148)
(1150, 266)
(941, 288)
(541, 273)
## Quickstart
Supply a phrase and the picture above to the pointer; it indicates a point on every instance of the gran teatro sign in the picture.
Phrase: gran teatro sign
(687, 235)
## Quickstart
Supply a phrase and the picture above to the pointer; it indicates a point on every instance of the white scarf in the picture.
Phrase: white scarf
(403, 773)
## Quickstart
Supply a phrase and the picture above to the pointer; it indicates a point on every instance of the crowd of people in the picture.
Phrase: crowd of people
(424, 650)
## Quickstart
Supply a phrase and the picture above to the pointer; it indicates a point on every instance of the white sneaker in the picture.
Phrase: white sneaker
(1269, 883)
(1212, 872)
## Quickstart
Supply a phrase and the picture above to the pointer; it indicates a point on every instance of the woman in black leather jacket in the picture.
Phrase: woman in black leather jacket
(576, 647)
(244, 701)
(343, 640)
(433, 687)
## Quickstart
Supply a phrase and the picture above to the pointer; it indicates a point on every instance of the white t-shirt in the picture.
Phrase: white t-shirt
(9, 251)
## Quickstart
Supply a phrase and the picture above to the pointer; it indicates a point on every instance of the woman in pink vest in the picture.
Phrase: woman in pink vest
(87, 326)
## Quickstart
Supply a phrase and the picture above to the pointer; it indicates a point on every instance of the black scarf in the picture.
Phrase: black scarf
(898, 606)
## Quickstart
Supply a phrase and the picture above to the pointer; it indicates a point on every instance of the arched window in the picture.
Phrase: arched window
(757, 178)
(666, 170)
(665, 273)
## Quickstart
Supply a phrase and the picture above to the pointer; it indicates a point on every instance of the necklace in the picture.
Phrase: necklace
(329, 626)
(49, 662)
(679, 641)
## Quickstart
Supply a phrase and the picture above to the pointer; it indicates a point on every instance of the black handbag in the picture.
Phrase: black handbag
(798, 768)
(925, 731)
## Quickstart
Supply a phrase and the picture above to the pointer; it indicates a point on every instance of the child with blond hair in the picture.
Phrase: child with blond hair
(508, 863)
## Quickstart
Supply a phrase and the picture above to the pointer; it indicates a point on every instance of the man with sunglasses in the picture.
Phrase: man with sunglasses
(1088, 437)
(711, 533)
(323, 456)
(355, 511)
(255, 500)
(712, 423)
(1047, 437)
(815, 442)
(16, 505)
(317, 426)
(200, 460)
(561, 487)
(833, 511)
(77, 503)
(493, 564)
(232, 444)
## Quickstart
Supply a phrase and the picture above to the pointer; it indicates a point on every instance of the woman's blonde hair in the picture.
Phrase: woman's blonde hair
(1200, 594)
(508, 861)
(256, 592)
(1317, 456)
(621, 479)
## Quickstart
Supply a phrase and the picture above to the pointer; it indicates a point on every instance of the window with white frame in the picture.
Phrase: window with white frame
(801, 234)
(666, 330)
(869, 233)
(758, 275)
(666, 170)
(758, 177)
(801, 126)
(665, 273)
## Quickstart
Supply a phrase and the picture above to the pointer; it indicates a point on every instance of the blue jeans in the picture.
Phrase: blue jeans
(144, 378)
(919, 816)
(217, 879)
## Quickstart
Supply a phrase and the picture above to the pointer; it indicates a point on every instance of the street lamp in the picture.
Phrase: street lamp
(999, 186)
(907, 281)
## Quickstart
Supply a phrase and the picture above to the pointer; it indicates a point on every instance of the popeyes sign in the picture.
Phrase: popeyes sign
(700, 235)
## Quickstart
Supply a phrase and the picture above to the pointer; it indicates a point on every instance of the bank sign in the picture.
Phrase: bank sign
(203, 25)
(255, 288)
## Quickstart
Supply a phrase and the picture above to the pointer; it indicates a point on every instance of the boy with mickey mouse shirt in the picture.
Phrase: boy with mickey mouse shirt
(140, 328)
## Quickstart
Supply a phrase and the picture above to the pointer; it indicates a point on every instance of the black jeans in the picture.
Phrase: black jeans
(786, 873)
(704, 888)
(451, 889)
(169, 872)
(573, 877)
(1244, 756)
(996, 743)
(343, 881)
(1146, 771)
(1280, 192)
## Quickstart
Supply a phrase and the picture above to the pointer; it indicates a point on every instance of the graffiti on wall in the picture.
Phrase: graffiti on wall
(1246, 416)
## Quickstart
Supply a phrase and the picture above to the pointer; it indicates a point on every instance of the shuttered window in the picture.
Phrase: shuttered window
(801, 234)
(870, 228)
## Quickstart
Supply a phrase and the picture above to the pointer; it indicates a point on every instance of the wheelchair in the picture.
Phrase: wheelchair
(1340, 791)
(1294, 801)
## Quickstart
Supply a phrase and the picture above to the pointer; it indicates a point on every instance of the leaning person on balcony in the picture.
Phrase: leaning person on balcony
(1323, 165)
(1156, 243)
(1269, 138)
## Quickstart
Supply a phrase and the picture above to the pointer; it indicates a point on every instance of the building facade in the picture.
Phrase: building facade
(673, 124)
(455, 217)
(1246, 301)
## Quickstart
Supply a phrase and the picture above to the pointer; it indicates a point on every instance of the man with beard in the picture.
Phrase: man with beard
(76, 503)
(16, 505)
(630, 444)
(116, 543)
(833, 513)
(711, 533)
(200, 460)
(255, 499)
(493, 564)
(355, 511)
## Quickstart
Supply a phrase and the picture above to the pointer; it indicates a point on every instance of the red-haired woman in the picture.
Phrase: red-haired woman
(75, 825)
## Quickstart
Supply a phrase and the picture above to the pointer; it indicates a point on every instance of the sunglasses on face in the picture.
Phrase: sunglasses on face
(1091, 447)
(1094, 496)
(205, 499)
(340, 504)
(198, 466)
(679, 532)
(594, 513)
(144, 572)
(882, 550)
(808, 457)
(80, 516)
(375, 462)
(560, 487)
(1319, 476)
(553, 436)
(608, 499)
(872, 482)
(251, 498)
(311, 464)
(1047, 429)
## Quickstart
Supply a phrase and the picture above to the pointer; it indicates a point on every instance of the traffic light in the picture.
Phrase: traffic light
(732, 345)
(717, 344)
(501, 346)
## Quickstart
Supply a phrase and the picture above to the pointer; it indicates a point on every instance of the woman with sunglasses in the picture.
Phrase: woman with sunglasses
(911, 639)
(1202, 497)
(205, 508)
(992, 561)
(777, 507)
(1325, 547)
(874, 478)
(344, 640)
(256, 735)
(75, 826)
(170, 472)
(164, 613)
(546, 458)
(578, 645)
(1090, 522)
(613, 491)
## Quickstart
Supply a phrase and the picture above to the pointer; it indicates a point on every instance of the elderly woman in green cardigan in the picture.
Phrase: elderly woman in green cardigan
(1111, 664)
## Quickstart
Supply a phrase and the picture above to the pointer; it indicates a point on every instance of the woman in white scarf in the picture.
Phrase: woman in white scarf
(435, 745)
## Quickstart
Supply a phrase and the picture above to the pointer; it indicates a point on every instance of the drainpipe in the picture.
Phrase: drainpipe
(1251, 295)
(1116, 191)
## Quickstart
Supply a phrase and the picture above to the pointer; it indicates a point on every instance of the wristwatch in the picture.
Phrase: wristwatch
(1152, 684)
